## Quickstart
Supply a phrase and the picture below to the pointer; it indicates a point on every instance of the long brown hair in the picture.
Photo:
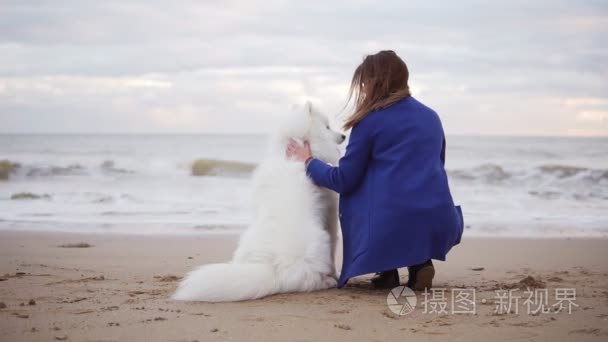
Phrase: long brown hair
(378, 82)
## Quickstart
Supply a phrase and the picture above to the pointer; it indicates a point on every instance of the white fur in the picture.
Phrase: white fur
(290, 245)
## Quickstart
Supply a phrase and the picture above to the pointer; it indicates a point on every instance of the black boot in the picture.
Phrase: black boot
(386, 279)
(421, 276)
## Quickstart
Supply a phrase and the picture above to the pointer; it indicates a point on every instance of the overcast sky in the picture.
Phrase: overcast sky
(487, 67)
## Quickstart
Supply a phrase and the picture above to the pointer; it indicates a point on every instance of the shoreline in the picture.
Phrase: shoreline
(119, 288)
(235, 232)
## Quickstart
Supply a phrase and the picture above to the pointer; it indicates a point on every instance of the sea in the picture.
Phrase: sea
(545, 187)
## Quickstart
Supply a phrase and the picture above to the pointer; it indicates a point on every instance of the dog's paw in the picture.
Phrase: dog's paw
(329, 282)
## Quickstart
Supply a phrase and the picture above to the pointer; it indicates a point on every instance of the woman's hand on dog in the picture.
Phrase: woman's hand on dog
(297, 151)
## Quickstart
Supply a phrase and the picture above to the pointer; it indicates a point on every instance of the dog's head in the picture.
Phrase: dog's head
(307, 123)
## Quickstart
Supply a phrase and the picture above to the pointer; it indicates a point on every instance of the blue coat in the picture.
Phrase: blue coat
(396, 209)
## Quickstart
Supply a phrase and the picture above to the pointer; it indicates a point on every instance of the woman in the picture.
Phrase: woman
(396, 209)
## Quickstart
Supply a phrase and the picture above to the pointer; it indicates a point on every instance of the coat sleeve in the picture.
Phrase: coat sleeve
(351, 168)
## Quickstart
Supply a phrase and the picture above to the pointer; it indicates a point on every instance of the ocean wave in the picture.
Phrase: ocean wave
(485, 172)
(546, 182)
(549, 195)
(138, 213)
(110, 166)
(29, 196)
(53, 170)
(567, 171)
(102, 198)
(200, 167)
(226, 168)
(219, 227)
(39, 170)
(493, 173)
(7, 168)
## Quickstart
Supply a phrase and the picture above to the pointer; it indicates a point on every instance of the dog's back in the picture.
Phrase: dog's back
(290, 216)
(287, 248)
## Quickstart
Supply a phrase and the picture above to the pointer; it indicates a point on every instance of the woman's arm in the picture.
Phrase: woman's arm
(351, 168)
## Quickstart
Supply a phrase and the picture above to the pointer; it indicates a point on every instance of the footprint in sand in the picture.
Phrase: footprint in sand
(167, 278)
(343, 326)
(588, 331)
(345, 311)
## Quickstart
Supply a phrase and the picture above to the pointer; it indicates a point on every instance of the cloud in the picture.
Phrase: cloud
(593, 115)
(234, 66)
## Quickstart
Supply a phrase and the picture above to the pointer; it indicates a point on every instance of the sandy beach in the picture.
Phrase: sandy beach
(118, 289)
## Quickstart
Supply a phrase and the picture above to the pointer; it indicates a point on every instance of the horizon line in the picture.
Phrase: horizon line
(506, 135)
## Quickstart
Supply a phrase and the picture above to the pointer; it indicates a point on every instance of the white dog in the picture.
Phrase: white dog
(290, 245)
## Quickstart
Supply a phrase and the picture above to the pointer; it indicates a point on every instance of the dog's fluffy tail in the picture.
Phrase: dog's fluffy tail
(227, 283)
